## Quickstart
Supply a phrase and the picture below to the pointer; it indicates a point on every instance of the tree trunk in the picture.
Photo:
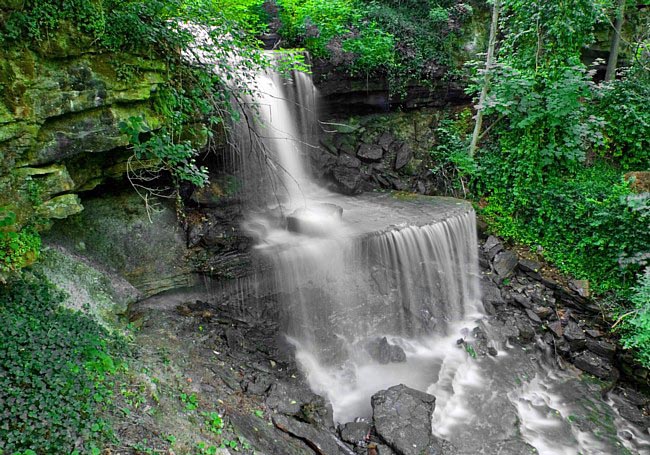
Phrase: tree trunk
(489, 62)
(612, 62)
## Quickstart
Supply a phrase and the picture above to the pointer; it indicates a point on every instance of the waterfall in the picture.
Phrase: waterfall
(278, 134)
(372, 290)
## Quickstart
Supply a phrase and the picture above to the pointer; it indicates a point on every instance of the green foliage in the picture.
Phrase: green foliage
(539, 177)
(17, 248)
(56, 367)
(213, 421)
(589, 225)
(406, 40)
(176, 157)
(372, 47)
(452, 167)
(636, 329)
(37, 18)
(316, 22)
(249, 15)
(190, 401)
(540, 92)
(623, 105)
(427, 36)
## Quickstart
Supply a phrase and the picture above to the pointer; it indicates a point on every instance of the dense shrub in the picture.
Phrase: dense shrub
(623, 104)
(406, 40)
(636, 327)
(589, 224)
(18, 247)
(56, 367)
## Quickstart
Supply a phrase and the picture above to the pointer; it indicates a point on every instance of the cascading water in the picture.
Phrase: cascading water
(365, 295)
(376, 291)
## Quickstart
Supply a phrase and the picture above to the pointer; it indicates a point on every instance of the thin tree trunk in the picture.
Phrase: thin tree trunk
(489, 62)
(612, 62)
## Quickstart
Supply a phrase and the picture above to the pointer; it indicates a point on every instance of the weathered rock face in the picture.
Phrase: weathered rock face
(402, 418)
(61, 101)
(375, 152)
(343, 94)
(143, 244)
(88, 287)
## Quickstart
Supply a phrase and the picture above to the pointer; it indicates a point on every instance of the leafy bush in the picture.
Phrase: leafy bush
(540, 178)
(17, 248)
(36, 18)
(452, 167)
(315, 22)
(373, 48)
(56, 367)
(636, 328)
(590, 225)
(404, 39)
(249, 15)
(624, 107)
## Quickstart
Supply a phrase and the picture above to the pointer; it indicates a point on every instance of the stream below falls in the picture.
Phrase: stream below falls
(380, 289)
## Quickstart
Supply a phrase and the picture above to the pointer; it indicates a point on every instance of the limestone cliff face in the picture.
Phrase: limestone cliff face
(61, 103)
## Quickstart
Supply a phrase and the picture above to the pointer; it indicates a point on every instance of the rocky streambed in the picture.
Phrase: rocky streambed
(538, 376)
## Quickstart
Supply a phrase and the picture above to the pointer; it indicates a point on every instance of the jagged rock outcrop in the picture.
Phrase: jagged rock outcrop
(140, 242)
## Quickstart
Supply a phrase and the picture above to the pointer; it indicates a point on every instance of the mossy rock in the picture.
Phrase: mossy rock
(141, 241)
(88, 288)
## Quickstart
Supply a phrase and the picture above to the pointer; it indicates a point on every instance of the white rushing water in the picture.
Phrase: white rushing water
(380, 295)
(349, 282)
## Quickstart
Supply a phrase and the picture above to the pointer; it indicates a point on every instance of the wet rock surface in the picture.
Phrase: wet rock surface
(381, 152)
(384, 352)
(402, 418)
(558, 320)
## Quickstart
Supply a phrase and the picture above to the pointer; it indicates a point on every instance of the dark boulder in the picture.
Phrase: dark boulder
(491, 293)
(602, 348)
(526, 331)
(384, 352)
(355, 433)
(529, 266)
(403, 156)
(575, 336)
(490, 243)
(347, 173)
(402, 418)
(523, 301)
(321, 442)
(348, 179)
(593, 364)
(370, 152)
(556, 328)
(505, 263)
(385, 140)
(533, 316)
(300, 403)
(346, 160)
(543, 312)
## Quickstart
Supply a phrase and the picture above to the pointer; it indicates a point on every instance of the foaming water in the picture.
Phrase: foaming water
(545, 420)
(380, 295)
(350, 385)
(368, 300)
